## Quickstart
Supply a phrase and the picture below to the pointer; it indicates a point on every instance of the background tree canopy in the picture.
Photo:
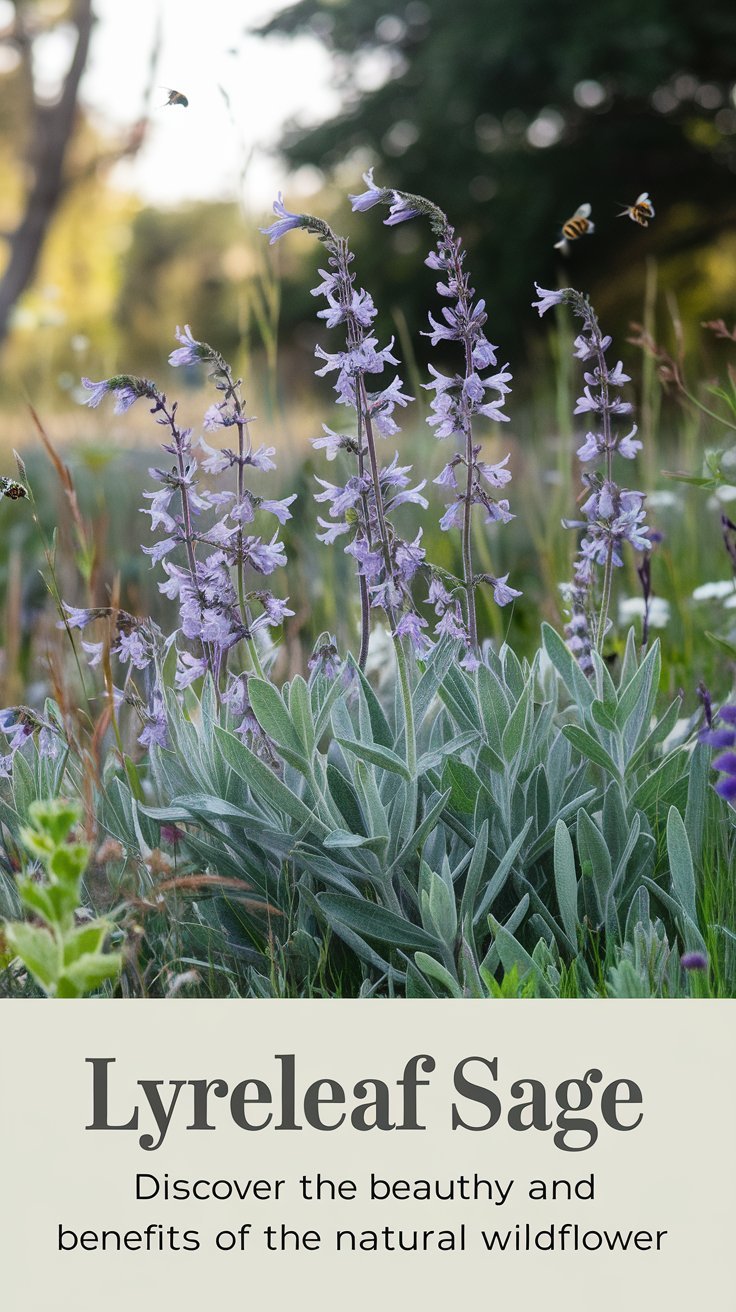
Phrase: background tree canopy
(510, 115)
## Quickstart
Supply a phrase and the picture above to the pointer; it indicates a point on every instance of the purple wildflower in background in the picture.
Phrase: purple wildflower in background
(18, 724)
(360, 509)
(325, 658)
(125, 388)
(285, 221)
(612, 515)
(722, 735)
(459, 399)
(205, 525)
(694, 961)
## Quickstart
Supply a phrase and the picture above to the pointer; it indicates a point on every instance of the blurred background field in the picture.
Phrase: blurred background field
(121, 216)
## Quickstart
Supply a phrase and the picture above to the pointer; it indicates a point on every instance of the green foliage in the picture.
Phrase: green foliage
(66, 955)
(555, 847)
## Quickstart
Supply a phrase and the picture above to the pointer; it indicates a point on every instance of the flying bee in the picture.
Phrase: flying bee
(641, 211)
(575, 227)
(9, 488)
(176, 97)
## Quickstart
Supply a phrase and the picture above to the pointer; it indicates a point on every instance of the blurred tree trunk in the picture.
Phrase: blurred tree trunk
(51, 130)
(50, 135)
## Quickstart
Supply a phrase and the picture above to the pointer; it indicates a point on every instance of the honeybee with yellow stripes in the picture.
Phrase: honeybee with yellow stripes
(641, 211)
(578, 226)
(176, 97)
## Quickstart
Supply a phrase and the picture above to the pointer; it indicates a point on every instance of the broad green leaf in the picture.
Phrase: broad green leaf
(380, 727)
(589, 747)
(380, 756)
(681, 864)
(513, 954)
(567, 667)
(436, 971)
(264, 783)
(464, 785)
(501, 873)
(273, 717)
(300, 711)
(566, 882)
(340, 838)
(375, 922)
(38, 951)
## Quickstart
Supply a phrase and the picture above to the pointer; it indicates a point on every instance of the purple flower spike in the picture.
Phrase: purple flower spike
(401, 210)
(612, 514)
(459, 400)
(372, 196)
(547, 299)
(284, 223)
(723, 735)
(191, 351)
(694, 961)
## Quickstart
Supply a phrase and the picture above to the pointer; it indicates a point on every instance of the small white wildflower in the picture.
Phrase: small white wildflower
(630, 608)
(714, 591)
(664, 500)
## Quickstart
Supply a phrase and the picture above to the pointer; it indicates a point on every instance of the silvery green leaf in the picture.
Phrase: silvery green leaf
(439, 909)
(438, 972)
(301, 714)
(591, 748)
(567, 667)
(595, 861)
(416, 983)
(545, 840)
(475, 873)
(359, 946)
(343, 795)
(273, 717)
(515, 731)
(681, 864)
(630, 662)
(661, 730)
(636, 701)
(453, 747)
(697, 798)
(456, 695)
(512, 954)
(380, 756)
(692, 937)
(375, 922)
(341, 838)
(658, 783)
(495, 705)
(414, 844)
(380, 728)
(264, 783)
(501, 873)
(566, 881)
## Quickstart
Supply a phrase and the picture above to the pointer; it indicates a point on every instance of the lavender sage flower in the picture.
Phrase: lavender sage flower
(723, 736)
(612, 515)
(361, 508)
(459, 400)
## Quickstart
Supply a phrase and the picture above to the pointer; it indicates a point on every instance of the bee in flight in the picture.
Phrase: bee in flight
(9, 488)
(176, 97)
(575, 227)
(641, 211)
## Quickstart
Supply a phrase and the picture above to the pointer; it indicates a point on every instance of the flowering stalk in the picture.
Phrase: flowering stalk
(362, 507)
(458, 399)
(613, 515)
(723, 736)
(211, 612)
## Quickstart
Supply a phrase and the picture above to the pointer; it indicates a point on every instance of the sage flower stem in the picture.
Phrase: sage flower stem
(411, 745)
(467, 526)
